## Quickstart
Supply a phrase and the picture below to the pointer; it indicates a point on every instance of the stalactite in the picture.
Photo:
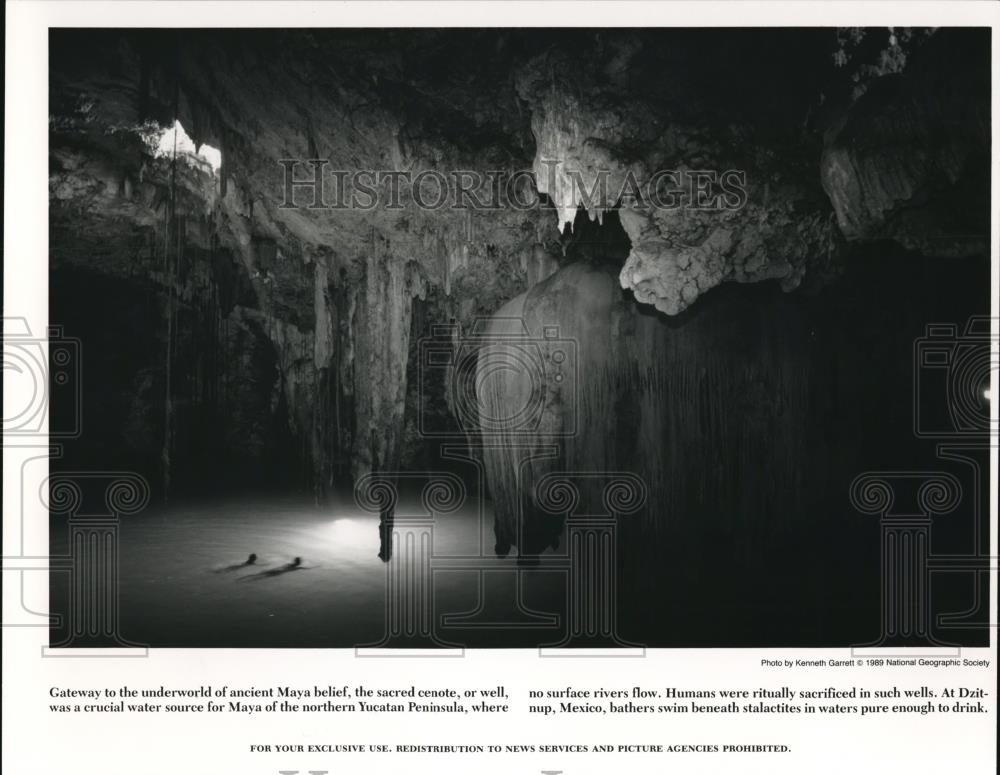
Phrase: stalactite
(345, 418)
(503, 389)
(382, 332)
(381, 327)
(723, 393)
(323, 355)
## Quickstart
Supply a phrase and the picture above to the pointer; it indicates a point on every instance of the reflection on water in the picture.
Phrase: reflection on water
(184, 570)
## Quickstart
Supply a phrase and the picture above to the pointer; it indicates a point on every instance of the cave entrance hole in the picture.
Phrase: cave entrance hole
(175, 139)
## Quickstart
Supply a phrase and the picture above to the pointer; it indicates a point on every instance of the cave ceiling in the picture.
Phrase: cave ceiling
(842, 137)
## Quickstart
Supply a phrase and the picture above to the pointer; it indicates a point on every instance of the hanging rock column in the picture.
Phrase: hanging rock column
(381, 332)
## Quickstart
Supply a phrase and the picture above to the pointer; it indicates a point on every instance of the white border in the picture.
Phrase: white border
(34, 742)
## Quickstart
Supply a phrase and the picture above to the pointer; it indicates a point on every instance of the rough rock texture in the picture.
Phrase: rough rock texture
(766, 220)
(838, 142)
(382, 338)
(905, 161)
(328, 285)
(746, 417)
(619, 390)
(913, 132)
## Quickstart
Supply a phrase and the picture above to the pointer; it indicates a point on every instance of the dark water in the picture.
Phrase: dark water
(183, 580)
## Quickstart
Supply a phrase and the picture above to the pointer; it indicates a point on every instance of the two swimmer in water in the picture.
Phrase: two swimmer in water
(295, 564)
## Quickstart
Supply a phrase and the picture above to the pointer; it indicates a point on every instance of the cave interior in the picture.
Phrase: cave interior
(253, 359)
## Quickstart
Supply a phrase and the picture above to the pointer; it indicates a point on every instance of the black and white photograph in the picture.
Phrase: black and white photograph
(514, 387)
(509, 337)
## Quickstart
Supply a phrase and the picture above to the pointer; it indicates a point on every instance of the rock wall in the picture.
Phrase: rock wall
(838, 141)
(902, 162)
(701, 206)
(381, 334)
(709, 411)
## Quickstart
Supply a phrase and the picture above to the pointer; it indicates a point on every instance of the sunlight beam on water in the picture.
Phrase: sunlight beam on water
(187, 578)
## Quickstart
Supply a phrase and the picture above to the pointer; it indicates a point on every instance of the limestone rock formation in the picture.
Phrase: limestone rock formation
(786, 149)
(576, 378)
(902, 161)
